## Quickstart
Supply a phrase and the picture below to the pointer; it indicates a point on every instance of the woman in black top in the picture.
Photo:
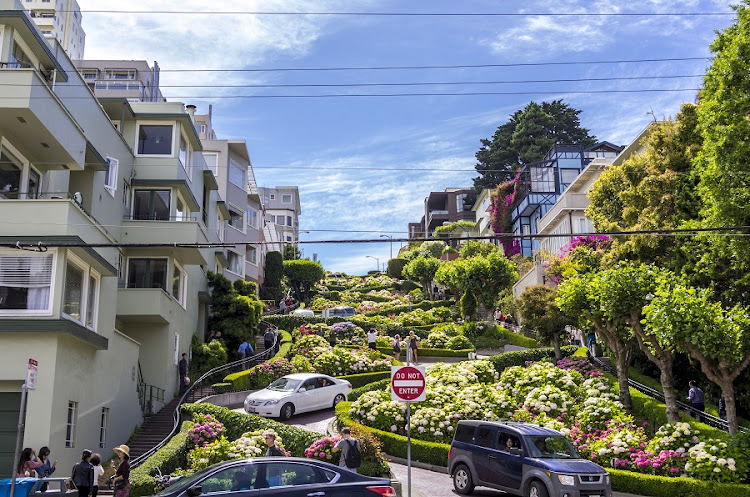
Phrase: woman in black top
(413, 345)
(397, 347)
(123, 472)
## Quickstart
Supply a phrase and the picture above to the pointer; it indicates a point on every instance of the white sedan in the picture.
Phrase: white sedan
(296, 393)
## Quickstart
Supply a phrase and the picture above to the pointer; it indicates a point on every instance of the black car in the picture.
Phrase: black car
(278, 476)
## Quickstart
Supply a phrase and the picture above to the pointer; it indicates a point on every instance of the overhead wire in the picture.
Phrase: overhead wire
(404, 14)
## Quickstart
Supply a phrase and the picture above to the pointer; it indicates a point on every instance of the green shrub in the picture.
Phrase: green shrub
(242, 380)
(206, 356)
(468, 305)
(395, 445)
(169, 458)
(375, 385)
(408, 285)
(521, 357)
(662, 486)
(425, 305)
(517, 339)
(422, 351)
(581, 352)
(361, 379)
(222, 387)
(395, 267)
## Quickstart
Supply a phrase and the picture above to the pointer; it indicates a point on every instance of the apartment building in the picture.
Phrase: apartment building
(230, 163)
(59, 20)
(134, 80)
(448, 206)
(283, 209)
(112, 298)
(481, 209)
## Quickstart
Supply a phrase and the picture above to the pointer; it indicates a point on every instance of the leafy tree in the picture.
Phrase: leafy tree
(422, 269)
(235, 309)
(433, 248)
(396, 267)
(527, 137)
(655, 189)
(483, 275)
(474, 247)
(291, 252)
(541, 313)
(206, 356)
(274, 269)
(302, 274)
(717, 338)
(468, 304)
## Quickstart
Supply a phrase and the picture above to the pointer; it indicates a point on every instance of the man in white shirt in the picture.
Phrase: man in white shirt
(372, 337)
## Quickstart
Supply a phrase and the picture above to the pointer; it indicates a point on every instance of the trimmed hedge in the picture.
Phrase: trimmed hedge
(395, 445)
(517, 339)
(362, 379)
(375, 385)
(422, 352)
(662, 486)
(241, 381)
(169, 458)
(521, 357)
(425, 305)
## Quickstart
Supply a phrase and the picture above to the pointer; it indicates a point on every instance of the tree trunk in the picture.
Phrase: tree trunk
(670, 395)
(622, 362)
(727, 388)
(556, 344)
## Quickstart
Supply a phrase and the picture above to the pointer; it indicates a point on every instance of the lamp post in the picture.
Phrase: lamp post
(391, 238)
(377, 262)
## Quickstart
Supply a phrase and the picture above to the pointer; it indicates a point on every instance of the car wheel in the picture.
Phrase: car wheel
(286, 411)
(338, 399)
(537, 489)
(462, 480)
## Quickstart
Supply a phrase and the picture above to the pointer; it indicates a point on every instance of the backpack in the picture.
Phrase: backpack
(353, 455)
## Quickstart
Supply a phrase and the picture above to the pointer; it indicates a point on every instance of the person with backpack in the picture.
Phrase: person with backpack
(351, 456)
(83, 474)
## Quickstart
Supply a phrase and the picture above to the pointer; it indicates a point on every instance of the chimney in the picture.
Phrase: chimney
(191, 110)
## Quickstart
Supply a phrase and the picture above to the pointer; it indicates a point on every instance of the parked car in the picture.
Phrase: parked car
(303, 312)
(287, 476)
(296, 393)
(522, 459)
(340, 311)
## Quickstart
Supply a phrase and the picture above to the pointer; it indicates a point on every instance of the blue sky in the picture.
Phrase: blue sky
(338, 150)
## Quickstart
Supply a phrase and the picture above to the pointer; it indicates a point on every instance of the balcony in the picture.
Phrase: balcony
(36, 122)
(146, 306)
(566, 203)
(175, 231)
(119, 88)
(436, 218)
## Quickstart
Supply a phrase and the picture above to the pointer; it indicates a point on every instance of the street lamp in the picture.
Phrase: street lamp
(377, 262)
(391, 237)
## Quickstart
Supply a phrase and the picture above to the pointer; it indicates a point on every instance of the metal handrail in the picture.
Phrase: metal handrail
(262, 356)
(708, 419)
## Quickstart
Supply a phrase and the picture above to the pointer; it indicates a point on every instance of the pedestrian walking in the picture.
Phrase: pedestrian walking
(372, 339)
(245, 350)
(397, 347)
(184, 368)
(351, 455)
(26, 465)
(591, 343)
(697, 401)
(96, 462)
(413, 343)
(268, 338)
(83, 474)
(121, 480)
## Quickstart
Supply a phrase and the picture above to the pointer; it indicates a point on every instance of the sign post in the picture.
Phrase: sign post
(408, 385)
(29, 384)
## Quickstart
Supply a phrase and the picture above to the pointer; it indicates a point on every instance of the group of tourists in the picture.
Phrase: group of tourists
(412, 343)
(85, 473)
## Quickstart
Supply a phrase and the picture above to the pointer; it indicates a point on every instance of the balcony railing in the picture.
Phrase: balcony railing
(194, 217)
(14, 194)
(119, 85)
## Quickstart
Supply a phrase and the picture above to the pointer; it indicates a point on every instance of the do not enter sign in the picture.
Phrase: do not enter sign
(407, 383)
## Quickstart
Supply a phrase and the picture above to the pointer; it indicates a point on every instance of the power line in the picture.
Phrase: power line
(455, 66)
(408, 14)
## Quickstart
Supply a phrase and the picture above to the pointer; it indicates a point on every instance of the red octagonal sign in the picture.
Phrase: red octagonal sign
(408, 383)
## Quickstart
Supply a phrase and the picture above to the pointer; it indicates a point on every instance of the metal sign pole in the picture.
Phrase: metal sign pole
(408, 449)
(19, 435)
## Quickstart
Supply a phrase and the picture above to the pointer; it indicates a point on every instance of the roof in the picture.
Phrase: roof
(519, 428)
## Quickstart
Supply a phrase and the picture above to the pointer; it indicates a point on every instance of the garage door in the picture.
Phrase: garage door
(10, 404)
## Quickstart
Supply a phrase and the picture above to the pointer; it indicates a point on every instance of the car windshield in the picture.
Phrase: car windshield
(284, 385)
(554, 446)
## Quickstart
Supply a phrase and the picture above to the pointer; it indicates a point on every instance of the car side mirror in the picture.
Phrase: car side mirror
(194, 491)
(302, 389)
(516, 451)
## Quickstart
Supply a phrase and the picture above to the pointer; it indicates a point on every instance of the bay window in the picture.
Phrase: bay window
(147, 273)
(25, 283)
(252, 218)
(18, 179)
(155, 139)
(236, 262)
(151, 205)
(236, 219)
(80, 293)
(179, 280)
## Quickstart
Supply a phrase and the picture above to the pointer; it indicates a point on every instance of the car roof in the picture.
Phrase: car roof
(305, 376)
(517, 427)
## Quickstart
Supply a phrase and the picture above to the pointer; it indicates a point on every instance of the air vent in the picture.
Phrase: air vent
(45, 145)
(21, 119)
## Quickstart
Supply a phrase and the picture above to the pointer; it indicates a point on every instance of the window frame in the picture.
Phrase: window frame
(25, 166)
(88, 275)
(254, 217)
(103, 427)
(236, 166)
(284, 200)
(254, 251)
(70, 424)
(138, 126)
(215, 168)
(53, 271)
(241, 264)
(233, 208)
(111, 175)
(151, 203)
(180, 299)
(186, 164)
(166, 273)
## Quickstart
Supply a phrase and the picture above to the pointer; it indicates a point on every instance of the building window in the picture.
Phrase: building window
(110, 175)
(279, 220)
(17, 178)
(273, 197)
(252, 218)
(179, 280)
(212, 162)
(203, 129)
(184, 155)
(147, 273)
(289, 220)
(155, 139)
(70, 425)
(81, 291)
(182, 211)
(220, 228)
(151, 205)
(25, 283)
(120, 74)
(236, 220)
(92, 302)
(103, 425)
(126, 194)
(288, 238)
(89, 74)
(236, 262)
(236, 175)
(252, 255)
(287, 199)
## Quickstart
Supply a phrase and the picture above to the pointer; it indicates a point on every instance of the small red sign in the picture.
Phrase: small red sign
(31, 375)
(408, 383)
